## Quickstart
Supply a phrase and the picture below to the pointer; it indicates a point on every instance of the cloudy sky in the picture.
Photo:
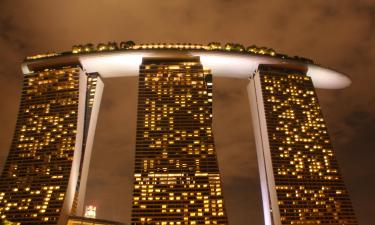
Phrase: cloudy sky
(338, 34)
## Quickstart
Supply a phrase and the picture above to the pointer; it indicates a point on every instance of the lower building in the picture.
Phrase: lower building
(76, 220)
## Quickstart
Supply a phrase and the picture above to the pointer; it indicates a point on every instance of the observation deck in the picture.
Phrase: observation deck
(230, 60)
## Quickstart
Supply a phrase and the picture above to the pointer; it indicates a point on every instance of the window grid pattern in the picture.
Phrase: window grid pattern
(177, 179)
(309, 187)
(36, 173)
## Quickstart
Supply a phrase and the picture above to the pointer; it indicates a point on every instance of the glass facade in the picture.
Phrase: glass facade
(37, 170)
(177, 178)
(309, 186)
(37, 175)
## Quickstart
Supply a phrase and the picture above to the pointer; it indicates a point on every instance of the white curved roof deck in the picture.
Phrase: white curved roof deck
(121, 63)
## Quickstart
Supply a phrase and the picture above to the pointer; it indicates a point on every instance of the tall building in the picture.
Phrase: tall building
(176, 175)
(46, 170)
(177, 180)
(300, 179)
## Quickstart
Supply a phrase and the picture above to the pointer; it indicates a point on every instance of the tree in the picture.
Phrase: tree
(127, 44)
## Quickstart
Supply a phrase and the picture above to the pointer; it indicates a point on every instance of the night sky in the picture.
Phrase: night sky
(338, 34)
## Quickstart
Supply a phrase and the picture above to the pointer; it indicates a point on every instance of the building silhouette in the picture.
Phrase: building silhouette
(176, 175)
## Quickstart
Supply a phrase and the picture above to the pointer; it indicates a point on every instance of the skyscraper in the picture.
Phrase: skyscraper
(46, 170)
(176, 176)
(300, 179)
(177, 180)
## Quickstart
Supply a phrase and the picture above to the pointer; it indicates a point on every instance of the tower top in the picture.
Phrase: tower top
(230, 60)
(130, 45)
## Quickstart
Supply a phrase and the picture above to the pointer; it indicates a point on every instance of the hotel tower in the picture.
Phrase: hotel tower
(176, 175)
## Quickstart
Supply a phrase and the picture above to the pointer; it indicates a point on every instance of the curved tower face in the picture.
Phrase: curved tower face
(176, 177)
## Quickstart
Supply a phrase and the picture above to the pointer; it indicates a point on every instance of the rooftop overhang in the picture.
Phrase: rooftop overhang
(222, 64)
